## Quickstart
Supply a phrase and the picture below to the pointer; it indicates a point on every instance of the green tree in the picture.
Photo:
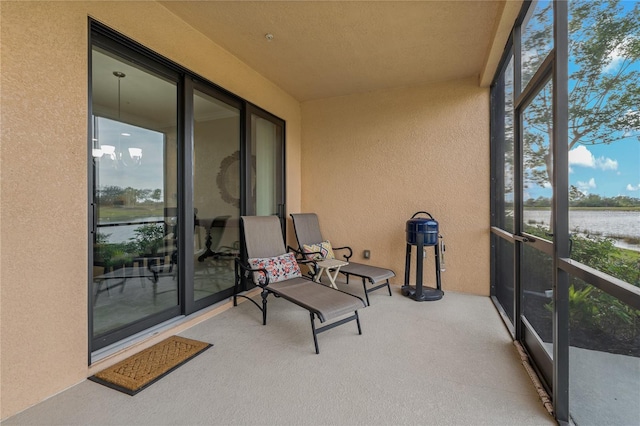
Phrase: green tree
(575, 194)
(110, 194)
(149, 238)
(143, 194)
(156, 195)
(603, 104)
(130, 196)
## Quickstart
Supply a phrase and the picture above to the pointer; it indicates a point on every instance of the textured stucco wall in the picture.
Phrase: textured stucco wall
(370, 161)
(43, 151)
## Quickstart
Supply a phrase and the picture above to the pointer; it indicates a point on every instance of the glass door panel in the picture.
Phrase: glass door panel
(502, 214)
(537, 193)
(134, 152)
(508, 171)
(503, 275)
(536, 251)
(537, 293)
(537, 38)
(216, 194)
(267, 149)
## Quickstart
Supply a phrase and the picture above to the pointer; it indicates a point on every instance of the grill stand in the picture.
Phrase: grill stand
(419, 292)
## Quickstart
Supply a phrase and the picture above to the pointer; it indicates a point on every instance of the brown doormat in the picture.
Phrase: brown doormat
(144, 368)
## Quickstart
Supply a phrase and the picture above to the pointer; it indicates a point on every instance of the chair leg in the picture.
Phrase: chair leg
(265, 293)
(358, 322)
(236, 286)
(366, 293)
(98, 290)
(313, 329)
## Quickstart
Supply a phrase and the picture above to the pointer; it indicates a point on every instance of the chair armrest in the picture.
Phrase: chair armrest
(302, 255)
(346, 256)
(296, 251)
(246, 268)
(301, 258)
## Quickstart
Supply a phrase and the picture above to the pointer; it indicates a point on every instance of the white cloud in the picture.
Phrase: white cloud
(616, 61)
(617, 56)
(633, 123)
(581, 156)
(586, 186)
(606, 164)
(633, 188)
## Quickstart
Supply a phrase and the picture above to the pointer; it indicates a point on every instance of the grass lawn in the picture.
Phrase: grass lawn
(118, 213)
(627, 255)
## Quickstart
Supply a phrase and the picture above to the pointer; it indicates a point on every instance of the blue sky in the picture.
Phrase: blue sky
(607, 170)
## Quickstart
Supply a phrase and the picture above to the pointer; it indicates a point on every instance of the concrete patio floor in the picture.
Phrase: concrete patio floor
(450, 362)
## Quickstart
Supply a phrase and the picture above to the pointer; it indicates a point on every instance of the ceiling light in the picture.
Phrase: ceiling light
(118, 156)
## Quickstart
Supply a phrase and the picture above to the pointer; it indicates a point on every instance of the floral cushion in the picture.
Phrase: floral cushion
(324, 248)
(280, 268)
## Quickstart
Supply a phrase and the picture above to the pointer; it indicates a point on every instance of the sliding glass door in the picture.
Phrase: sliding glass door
(535, 239)
(174, 161)
(216, 192)
(267, 165)
(134, 196)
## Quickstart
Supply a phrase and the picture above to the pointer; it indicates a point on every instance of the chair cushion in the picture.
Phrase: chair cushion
(324, 248)
(279, 268)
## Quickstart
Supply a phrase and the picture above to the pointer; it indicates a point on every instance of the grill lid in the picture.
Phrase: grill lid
(427, 227)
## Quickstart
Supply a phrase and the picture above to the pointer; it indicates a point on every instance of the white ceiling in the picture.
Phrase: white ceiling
(331, 48)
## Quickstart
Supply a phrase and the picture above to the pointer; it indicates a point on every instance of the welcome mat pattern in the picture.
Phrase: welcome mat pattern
(144, 368)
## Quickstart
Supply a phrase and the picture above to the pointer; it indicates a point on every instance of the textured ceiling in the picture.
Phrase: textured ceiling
(331, 48)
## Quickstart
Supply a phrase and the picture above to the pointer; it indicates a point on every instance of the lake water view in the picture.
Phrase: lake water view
(123, 233)
(604, 223)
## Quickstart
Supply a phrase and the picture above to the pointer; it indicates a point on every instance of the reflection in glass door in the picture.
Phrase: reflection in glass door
(216, 194)
(134, 280)
(267, 150)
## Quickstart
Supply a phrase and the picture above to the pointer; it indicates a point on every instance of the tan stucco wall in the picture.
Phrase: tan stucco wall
(370, 161)
(44, 166)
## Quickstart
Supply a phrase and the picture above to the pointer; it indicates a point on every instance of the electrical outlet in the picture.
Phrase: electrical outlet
(367, 254)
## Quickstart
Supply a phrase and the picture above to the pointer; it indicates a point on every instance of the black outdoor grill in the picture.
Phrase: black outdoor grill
(422, 232)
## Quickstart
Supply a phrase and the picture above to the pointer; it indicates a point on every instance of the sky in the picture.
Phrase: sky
(607, 170)
(146, 172)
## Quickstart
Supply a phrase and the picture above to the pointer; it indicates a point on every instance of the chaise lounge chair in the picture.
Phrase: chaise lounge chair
(276, 271)
(308, 233)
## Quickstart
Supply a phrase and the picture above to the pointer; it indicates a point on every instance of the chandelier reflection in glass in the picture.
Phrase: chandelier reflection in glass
(116, 155)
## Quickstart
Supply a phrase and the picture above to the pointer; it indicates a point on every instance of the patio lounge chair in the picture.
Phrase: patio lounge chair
(308, 233)
(276, 271)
